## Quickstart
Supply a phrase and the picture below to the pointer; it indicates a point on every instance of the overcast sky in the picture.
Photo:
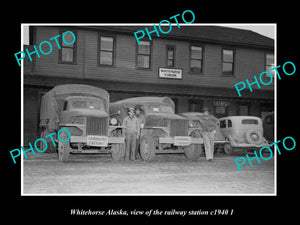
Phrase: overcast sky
(264, 29)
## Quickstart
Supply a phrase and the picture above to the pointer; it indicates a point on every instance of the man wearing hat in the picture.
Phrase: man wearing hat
(209, 124)
(141, 122)
(131, 131)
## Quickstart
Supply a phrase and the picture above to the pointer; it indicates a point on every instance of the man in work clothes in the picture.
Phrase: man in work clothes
(131, 131)
(141, 121)
(209, 124)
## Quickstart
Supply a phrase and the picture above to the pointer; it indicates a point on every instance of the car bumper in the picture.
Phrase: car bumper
(111, 140)
(245, 145)
(186, 140)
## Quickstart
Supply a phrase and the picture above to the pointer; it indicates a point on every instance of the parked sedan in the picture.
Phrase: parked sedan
(242, 132)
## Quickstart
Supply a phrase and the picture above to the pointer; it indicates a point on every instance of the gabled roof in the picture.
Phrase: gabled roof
(211, 34)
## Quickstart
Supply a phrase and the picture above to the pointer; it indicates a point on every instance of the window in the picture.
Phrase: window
(67, 53)
(144, 55)
(243, 109)
(170, 56)
(223, 124)
(221, 111)
(196, 56)
(106, 54)
(227, 62)
(195, 105)
(269, 60)
(249, 121)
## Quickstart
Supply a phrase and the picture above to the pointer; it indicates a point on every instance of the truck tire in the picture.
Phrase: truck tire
(118, 152)
(193, 152)
(63, 148)
(147, 148)
(51, 148)
(228, 149)
(63, 151)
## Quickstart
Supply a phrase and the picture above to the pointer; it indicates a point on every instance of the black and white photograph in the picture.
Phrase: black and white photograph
(174, 115)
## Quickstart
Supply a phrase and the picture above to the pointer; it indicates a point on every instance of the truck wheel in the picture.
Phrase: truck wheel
(63, 151)
(118, 152)
(147, 148)
(228, 149)
(50, 148)
(193, 152)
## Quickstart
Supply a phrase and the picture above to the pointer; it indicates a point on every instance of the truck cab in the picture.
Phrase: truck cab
(164, 132)
(84, 111)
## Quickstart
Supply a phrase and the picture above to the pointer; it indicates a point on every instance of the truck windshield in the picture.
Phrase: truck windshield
(95, 104)
(157, 108)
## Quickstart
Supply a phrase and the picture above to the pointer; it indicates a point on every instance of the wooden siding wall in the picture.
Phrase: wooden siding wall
(248, 61)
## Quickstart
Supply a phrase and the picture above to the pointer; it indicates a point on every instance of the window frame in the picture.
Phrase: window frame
(201, 60)
(100, 34)
(174, 56)
(265, 77)
(233, 62)
(74, 61)
(137, 56)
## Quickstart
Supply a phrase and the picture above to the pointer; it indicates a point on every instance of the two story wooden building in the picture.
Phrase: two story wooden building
(195, 65)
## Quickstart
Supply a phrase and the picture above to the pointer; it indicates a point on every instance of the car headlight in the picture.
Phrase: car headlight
(113, 121)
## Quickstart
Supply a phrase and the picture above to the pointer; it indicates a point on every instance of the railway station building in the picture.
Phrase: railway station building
(195, 65)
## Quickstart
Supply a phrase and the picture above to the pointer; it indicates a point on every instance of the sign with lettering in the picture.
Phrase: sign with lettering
(170, 73)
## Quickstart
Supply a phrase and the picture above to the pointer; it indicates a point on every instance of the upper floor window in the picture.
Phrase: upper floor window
(170, 56)
(269, 62)
(67, 53)
(106, 51)
(144, 55)
(227, 61)
(196, 59)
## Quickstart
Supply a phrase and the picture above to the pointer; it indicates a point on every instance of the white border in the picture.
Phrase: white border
(149, 24)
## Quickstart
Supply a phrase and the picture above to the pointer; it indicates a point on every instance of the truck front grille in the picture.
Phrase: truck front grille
(96, 125)
(179, 128)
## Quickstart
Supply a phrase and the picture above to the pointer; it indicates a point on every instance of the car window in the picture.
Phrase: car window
(249, 121)
(229, 123)
(93, 104)
(222, 123)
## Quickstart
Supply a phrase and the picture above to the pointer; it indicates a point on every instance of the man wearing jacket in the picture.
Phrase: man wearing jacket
(209, 124)
(131, 131)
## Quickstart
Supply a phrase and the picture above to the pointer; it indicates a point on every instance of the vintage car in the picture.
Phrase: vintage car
(268, 125)
(195, 129)
(242, 132)
(163, 131)
(84, 111)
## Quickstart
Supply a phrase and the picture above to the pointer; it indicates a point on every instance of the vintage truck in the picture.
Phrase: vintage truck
(195, 129)
(84, 111)
(163, 131)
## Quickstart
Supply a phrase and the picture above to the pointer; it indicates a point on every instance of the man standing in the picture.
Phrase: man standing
(209, 125)
(141, 121)
(131, 131)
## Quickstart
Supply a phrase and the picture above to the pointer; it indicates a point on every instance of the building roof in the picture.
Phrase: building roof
(211, 34)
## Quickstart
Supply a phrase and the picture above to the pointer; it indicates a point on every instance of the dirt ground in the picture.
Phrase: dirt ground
(166, 175)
